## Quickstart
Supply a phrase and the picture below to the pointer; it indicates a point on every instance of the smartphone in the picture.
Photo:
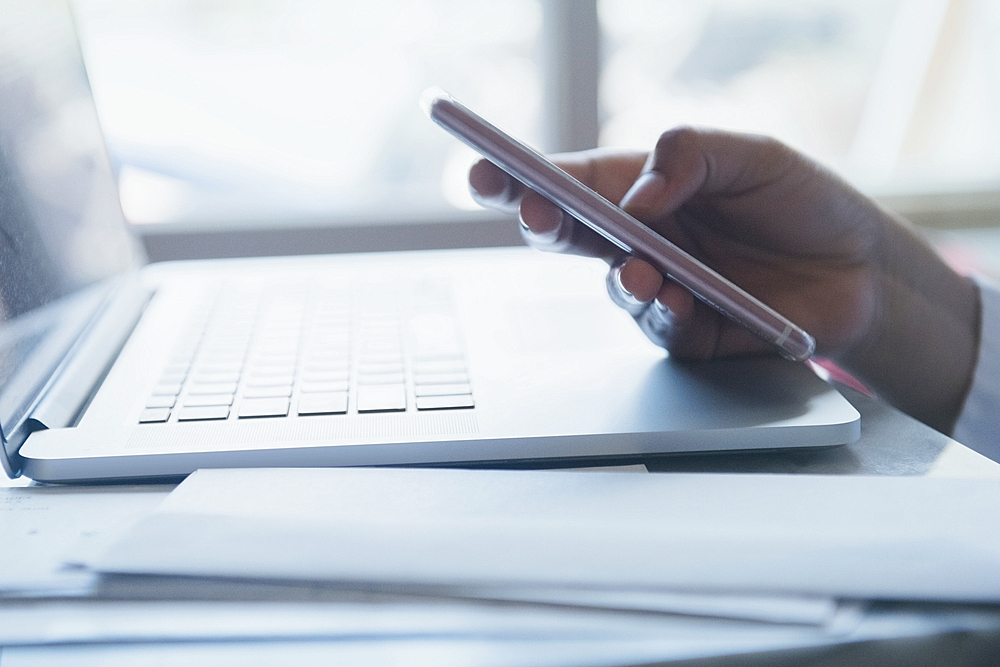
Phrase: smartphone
(614, 224)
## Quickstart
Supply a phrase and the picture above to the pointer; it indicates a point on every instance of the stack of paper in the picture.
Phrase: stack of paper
(490, 567)
(843, 537)
(48, 532)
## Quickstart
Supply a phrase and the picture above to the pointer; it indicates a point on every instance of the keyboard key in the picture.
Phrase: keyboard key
(264, 407)
(167, 389)
(154, 415)
(267, 358)
(381, 378)
(366, 357)
(444, 402)
(392, 367)
(322, 387)
(325, 376)
(228, 359)
(443, 389)
(270, 380)
(213, 388)
(319, 366)
(208, 399)
(382, 398)
(259, 368)
(203, 413)
(441, 378)
(176, 368)
(326, 344)
(216, 377)
(455, 365)
(211, 367)
(161, 401)
(182, 357)
(333, 403)
(268, 392)
(436, 352)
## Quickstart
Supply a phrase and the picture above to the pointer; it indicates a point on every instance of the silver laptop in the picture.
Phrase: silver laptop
(110, 369)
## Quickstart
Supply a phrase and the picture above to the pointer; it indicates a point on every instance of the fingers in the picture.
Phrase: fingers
(685, 163)
(543, 225)
(623, 296)
(689, 161)
(547, 227)
(677, 300)
(639, 279)
(608, 172)
(673, 173)
(633, 285)
(494, 188)
(673, 318)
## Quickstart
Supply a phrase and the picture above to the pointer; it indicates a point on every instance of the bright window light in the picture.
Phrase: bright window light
(272, 108)
(296, 109)
(899, 95)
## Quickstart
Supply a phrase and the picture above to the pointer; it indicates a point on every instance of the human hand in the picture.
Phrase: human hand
(789, 232)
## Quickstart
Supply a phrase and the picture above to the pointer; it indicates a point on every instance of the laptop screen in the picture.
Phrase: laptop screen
(62, 233)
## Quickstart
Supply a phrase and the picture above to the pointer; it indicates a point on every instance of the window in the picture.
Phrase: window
(290, 109)
(898, 95)
(279, 108)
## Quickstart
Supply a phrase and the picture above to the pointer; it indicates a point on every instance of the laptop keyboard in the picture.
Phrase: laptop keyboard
(302, 351)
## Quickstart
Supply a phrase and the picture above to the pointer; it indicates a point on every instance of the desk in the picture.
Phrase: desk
(891, 444)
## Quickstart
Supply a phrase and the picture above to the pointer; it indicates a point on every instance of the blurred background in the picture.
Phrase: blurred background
(260, 126)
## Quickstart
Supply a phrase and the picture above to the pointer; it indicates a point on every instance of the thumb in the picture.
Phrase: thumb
(675, 171)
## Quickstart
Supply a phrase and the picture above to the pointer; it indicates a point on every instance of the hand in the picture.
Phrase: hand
(874, 294)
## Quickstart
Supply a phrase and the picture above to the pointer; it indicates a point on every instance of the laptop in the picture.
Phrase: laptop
(111, 369)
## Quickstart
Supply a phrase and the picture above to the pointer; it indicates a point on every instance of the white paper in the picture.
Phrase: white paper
(95, 621)
(797, 609)
(45, 529)
(381, 651)
(855, 537)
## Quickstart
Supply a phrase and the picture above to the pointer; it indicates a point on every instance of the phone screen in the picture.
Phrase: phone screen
(614, 224)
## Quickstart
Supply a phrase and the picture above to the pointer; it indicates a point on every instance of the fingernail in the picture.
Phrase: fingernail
(658, 322)
(663, 318)
(662, 310)
(546, 221)
(620, 296)
(550, 224)
(621, 285)
(647, 191)
(487, 180)
(556, 239)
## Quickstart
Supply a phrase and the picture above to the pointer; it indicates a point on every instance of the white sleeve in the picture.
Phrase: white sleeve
(978, 425)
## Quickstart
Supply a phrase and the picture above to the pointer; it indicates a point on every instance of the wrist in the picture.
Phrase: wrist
(920, 347)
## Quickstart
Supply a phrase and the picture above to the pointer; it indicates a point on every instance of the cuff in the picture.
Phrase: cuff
(978, 425)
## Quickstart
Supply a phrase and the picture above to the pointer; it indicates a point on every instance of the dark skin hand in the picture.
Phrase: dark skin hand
(877, 298)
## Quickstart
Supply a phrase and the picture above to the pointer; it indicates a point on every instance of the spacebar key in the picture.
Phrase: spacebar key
(381, 397)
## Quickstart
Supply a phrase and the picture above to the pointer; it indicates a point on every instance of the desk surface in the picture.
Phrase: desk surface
(891, 443)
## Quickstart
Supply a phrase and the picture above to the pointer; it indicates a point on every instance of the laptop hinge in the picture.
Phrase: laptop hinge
(90, 359)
